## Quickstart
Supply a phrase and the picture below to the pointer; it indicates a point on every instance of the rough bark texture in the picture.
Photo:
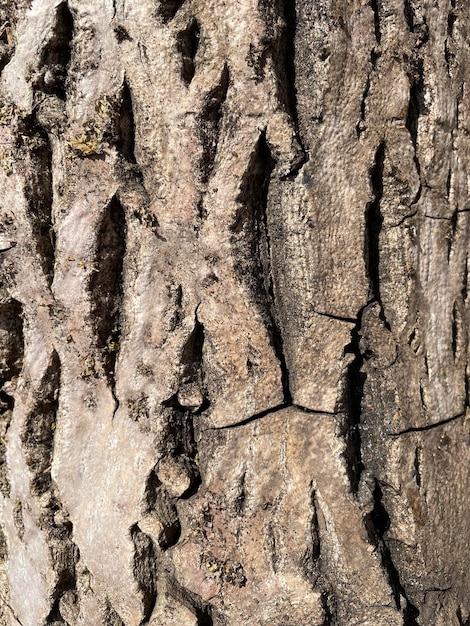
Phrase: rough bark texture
(233, 312)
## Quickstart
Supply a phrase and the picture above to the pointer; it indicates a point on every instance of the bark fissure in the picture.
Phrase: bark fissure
(209, 122)
(145, 570)
(426, 427)
(378, 523)
(38, 432)
(39, 192)
(169, 8)
(52, 72)
(11, 363)
(374, 221)
(251, 224)
(188, 43)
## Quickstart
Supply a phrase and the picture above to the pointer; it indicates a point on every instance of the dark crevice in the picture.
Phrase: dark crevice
(278, 44)
(209, 123)
(111, 617)
(254, 417)
(377, 523)
(188, 43)
(240, 498)
(419, 429)
(409, 15)
(55, 523)
(311, 557)
(360, 126)
(168, 9)
(106, 284)
(192, 394)
(462, 621)
(374, 5)
(37, 156)
(305, 409)
(145, 570)
(126, 125)
(417, 470)
(274, 409)
(11, 363)
(349, 320)
(251, 247)
(456, 322)
(271, 534)
(373, 224)
(290, 91)
(408, 217)
(288, 79)
(451, 19)
(159, 503)
(52, 74)
(416, 106)
(12, 613)
(38, 434)
(452, 232)
(191, 601)
(354, 387)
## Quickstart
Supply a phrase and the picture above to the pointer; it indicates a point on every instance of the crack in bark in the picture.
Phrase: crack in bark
(275, 409)
(37, 437)
(12, 612)
(106, 287)
(377, 524)
(51, 76)
(188, 43)
(251, 225)
(145, 570)
(126, 124)
(373, 223)
(38, 188)
(355, 389)
(349, 320)
(169, 8)
(419, 429)
(209, 122)
(374, 5)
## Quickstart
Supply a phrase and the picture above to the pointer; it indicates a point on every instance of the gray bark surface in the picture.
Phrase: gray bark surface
(233, 312)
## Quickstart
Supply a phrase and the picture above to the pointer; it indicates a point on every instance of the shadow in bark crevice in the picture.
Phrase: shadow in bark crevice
(126, 125)
(209, 122)
(37, 436)
(188, 43)
(11, 363)
(145, 570)
(168, 9)
(55, 60)
(377, 523)
(251, 247)
(36, 151)
(106, 286)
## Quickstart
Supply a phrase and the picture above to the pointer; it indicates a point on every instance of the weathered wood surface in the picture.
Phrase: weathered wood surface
(233, 315)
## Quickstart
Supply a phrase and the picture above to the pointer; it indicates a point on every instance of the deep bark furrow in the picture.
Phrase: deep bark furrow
(51, 74)
(374, 221)
(188, 43)
(210, 121)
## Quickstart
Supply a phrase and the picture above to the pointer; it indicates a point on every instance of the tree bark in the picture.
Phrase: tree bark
(233, 312)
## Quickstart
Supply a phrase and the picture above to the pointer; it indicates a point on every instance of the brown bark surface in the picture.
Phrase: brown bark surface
(233, 312)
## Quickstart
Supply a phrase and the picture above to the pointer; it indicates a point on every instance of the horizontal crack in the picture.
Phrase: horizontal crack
(274, 409)
(418, 429)
(350, 320)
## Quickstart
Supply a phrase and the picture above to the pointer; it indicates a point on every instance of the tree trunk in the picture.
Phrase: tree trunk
(233, 314)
